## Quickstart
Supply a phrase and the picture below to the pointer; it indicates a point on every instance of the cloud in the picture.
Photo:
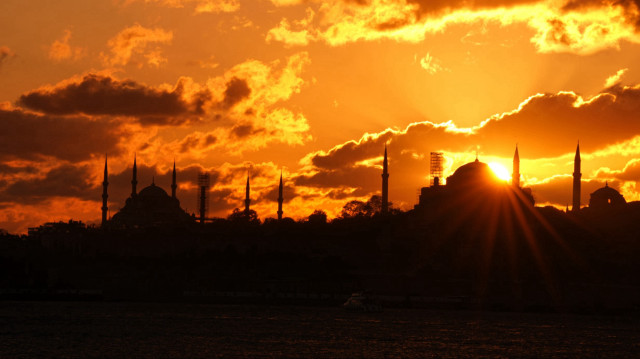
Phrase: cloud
(284, 33)
(559, 26)
(135, 42)
(96, 94)
(236, 91)
(200, 6)
(61, 50)
(5, 54)
(63, 181)
(431, 64)
(615, 78)
(32, 136)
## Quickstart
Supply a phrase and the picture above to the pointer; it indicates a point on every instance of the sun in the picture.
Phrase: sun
(500, 171)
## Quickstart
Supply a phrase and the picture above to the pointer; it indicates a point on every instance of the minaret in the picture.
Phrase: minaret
(385, 184)
(515, 176)
(280, 199)
(576, 180)
(105, 184)
(173, 181)
(134, 181)
(247, 200)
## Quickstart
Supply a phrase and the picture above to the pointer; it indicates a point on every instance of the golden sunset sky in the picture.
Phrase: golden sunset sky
(312, 88)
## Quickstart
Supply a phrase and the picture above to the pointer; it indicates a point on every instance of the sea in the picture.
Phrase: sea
(32, 329)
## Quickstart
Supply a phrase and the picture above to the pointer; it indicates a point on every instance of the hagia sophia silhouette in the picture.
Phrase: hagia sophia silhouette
(153, 206)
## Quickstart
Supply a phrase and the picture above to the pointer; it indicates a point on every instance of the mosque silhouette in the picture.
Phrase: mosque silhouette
(472, 182)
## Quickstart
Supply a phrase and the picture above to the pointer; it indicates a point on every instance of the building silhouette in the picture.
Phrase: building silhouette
(151, 207)
(280, 198)
(606, 198)
(576, 180)
(472, 182)
(247, 200)
(515, 175)
(385, 184)
(105, 195)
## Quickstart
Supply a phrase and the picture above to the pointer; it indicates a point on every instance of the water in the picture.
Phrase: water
(143, 330)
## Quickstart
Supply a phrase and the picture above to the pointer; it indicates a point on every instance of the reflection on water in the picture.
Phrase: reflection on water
(86, 330)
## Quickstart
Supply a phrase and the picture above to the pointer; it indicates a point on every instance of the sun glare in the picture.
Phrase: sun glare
(500, 171)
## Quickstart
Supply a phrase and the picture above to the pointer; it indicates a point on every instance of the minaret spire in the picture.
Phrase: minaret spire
(385, 184)
(247, 200)
(515, 176)
(174, 186)
(576, 180)
(105, 184)
(134, 181)
(280, 199)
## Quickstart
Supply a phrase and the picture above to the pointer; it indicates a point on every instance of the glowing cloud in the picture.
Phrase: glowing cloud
(136, 40)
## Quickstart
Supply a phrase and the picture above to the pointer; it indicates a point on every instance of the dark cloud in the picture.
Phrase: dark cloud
(74, 138)
(104, 95)
(630, 7)
(7, 169)
(237, 90)
(560, 120)
(431, 7)
(5, 54)
(63, 181)
(289, 193)
(244, 130)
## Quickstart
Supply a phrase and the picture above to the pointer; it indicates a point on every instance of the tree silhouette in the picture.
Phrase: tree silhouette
(244, 216)
(318, 217)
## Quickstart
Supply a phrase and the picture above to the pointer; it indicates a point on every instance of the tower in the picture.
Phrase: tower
(203, 197)
(105, 184)
(435, 168)
(280, 199)
(173, 181)
(247, 200)
(576, 180)
(515, 176)
(385, 184)
(134, 181)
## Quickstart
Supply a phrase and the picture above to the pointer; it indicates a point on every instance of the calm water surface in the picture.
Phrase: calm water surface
(142, 330)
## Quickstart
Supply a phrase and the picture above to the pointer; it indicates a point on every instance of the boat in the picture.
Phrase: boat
(362, 302)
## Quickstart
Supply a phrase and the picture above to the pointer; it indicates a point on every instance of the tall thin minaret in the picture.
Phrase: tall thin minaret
(173, 181)
(280, 199)
(515, 176)
(134, 181)
(576, 180)
(105, 184)
(247, 200)
(385, 184)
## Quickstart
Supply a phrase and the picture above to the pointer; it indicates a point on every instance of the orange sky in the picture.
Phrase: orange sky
(314, 88)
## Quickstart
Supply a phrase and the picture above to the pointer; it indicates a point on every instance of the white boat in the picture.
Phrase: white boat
(361, 302)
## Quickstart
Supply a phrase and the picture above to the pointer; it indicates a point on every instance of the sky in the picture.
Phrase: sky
(312, 89)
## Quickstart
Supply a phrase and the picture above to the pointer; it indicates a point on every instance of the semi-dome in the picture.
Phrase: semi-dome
(606, 197)
(472, 174)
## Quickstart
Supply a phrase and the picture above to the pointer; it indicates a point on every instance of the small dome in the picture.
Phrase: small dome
(606, 197)
(152, 191)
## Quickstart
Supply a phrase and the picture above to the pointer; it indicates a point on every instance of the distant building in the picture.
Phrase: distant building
(151, 207)
(606, 198)
(472, 181)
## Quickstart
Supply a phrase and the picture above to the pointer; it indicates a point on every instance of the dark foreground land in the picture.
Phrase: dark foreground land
(173, 330)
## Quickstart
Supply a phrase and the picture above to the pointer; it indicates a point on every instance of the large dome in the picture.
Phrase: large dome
(153, 191)
(473, 174)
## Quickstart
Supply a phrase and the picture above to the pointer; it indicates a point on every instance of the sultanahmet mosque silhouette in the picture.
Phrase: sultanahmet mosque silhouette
(474, 181)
